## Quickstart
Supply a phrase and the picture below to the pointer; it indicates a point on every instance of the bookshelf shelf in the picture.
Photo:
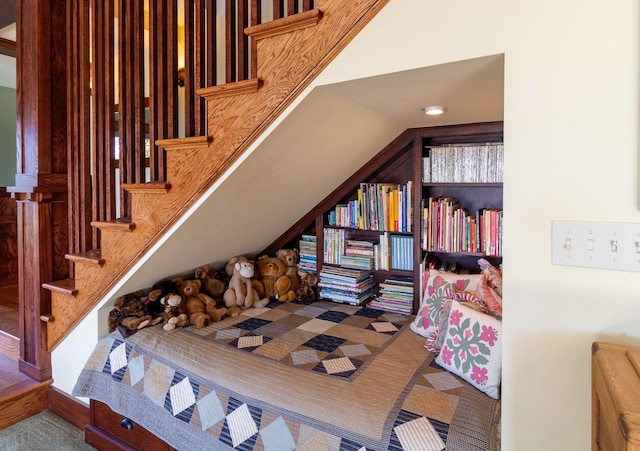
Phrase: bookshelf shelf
(463, 184)
(401, 163)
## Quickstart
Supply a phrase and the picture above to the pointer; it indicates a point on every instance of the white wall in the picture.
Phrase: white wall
(571, 140)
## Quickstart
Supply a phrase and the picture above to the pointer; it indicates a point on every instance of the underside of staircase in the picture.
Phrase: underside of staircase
(288, 54)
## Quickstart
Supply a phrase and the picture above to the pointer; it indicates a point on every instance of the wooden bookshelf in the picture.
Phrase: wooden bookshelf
(399, 162)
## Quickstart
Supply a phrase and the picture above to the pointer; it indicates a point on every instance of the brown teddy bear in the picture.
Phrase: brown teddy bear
(175, 311)
(129, 314)
(290, 259)
(241, 293)
(212, 281)
(275, 284)
(201, 308)
(305, 291)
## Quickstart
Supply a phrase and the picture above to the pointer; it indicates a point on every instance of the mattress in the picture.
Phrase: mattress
(299, 375)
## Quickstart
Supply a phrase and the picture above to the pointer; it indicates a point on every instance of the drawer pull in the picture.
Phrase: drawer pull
(126, 423)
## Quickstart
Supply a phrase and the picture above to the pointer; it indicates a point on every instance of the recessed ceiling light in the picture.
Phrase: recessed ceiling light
(434, 110)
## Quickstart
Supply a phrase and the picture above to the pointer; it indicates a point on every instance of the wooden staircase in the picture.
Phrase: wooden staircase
(288, 54)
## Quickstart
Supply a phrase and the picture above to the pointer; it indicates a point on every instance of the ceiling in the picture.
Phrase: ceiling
(470, 90)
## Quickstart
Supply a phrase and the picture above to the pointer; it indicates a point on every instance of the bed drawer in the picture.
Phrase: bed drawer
(115, 426)
(615, 398)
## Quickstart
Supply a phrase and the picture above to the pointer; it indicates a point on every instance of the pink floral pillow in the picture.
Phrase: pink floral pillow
(428, 317)
(472, 348)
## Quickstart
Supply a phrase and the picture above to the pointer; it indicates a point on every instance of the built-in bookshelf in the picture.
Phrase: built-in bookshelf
(433, 196)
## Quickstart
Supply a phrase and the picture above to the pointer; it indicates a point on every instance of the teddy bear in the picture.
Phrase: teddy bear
(305, 291)
(275, 284)
(159, 290)
(241, 293)
(213, 282)
(129, 314)
(201, 308)
(290, 259)
(175, 311)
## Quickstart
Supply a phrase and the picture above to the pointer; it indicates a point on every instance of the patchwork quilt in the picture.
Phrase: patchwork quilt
(305, 376)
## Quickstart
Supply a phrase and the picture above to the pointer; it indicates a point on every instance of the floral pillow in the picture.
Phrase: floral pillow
(436, 338)
(472, 348)
(428, 317)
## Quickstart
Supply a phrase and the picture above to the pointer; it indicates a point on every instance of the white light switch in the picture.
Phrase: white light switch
(606, 245)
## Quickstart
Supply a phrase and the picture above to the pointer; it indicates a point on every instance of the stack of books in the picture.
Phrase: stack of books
(396, 295)
(358, 254)
(308, 260)
(348, 286)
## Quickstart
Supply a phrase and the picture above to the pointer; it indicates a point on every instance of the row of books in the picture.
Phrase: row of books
(396, 295)
(308, 260)
(391, 252)
(348, 286)
(379, 206)
(447, 227)
(464, 164)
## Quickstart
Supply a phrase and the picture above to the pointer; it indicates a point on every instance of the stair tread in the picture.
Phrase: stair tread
(190, 142)
(285, 25)
(230, 89)
(124, 224)
(67, 286)
(149, 187)
(93, 256)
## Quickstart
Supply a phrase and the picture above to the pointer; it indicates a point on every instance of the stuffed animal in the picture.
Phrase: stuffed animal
(201, 308)
(129, 314)
(241, 294)
(159, 290)
(276, 285)
(212, 281)
(305, 291)
(175, 311)
(290, 259)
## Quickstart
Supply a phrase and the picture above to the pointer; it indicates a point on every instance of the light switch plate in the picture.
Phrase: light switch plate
(605, 245)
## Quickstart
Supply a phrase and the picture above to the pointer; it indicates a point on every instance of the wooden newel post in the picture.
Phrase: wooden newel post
(41, 171)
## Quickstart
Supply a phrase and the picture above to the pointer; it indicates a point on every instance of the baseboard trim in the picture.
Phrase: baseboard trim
(68, 407)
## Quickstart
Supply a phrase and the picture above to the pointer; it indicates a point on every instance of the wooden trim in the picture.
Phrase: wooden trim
(9, 345)
(68, 407)
(7, 44)
(7, 47)
(285, 25)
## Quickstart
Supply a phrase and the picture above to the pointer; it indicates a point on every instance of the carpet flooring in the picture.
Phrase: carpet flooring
(44, 431)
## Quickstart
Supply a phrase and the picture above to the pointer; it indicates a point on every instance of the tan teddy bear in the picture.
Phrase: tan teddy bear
(275, 284)
(241, 293)
(201, 308)
(290, 259)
